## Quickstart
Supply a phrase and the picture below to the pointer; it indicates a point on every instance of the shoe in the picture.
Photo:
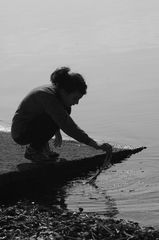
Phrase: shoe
(37, 156)
(48, 151)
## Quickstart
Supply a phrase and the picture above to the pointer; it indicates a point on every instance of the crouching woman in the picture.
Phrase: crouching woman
(45, 110)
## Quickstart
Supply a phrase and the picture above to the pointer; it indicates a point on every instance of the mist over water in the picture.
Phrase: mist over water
(115, 46)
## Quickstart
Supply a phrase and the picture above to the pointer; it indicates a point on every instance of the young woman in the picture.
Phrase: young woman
(46, 110)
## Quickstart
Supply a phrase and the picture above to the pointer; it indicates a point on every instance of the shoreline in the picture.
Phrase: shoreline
(19, 211)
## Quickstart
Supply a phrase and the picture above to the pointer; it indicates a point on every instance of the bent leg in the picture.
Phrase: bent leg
(39, 131)
(42, 129)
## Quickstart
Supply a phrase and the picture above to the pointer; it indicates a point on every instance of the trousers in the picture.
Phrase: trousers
(38, 132)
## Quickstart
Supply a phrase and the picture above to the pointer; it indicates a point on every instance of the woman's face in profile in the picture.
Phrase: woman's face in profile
(70, 99)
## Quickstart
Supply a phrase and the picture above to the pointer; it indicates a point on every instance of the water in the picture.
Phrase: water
(115, 45)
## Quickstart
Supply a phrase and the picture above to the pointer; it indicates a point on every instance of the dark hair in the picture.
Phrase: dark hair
(70, 82)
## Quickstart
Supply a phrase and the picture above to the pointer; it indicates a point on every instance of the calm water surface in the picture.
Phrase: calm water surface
(115, 45)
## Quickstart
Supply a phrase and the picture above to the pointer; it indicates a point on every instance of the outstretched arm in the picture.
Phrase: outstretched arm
(56, 110)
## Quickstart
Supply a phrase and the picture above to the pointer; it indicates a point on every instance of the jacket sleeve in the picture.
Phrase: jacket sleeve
(55, 109)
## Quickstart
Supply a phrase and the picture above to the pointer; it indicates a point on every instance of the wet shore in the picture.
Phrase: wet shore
(28, 218)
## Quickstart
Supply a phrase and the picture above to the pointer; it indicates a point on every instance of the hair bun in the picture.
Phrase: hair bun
(61, 78)
(60, 73)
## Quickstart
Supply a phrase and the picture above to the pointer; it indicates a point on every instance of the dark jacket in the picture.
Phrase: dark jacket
(42, 100)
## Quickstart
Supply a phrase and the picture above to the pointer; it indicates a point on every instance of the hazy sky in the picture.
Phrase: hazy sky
(33, 27)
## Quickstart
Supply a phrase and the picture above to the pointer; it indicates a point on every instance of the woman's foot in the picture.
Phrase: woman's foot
(37, 156)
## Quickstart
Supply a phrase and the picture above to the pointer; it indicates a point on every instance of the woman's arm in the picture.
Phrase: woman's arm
(68, 126)
(58, 139)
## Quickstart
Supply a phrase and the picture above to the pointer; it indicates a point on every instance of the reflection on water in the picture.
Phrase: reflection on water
(127, 190)
(43, 189)
(91, 199)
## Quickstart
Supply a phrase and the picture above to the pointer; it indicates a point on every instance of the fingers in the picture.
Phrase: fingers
(106, 147)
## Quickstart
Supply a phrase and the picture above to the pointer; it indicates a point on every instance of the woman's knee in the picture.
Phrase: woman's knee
(21, 141)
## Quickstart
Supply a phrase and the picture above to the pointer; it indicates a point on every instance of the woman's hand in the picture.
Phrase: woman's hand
(106, 147)
(58, 139)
